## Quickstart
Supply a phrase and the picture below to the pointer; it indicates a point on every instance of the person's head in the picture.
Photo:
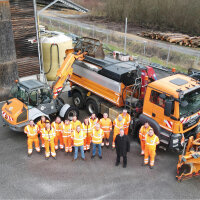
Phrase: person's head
(43, 118)
(124, 112)
(86, 121)
(31, 122)
(146, 124)
(97, 126)
(105, 115)
(48, 126)
(78, 128)
(74, 118)
(120, 118)
(121, 132)
(93, 116)
(151, 132)
(58, 120)
(67, 121)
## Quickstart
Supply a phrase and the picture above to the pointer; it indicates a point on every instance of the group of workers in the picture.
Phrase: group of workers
(68, 134)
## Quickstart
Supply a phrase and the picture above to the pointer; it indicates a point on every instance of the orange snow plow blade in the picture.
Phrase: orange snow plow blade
(189, 162)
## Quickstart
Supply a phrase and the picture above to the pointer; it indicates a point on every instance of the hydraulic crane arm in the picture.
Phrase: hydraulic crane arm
(65, 71)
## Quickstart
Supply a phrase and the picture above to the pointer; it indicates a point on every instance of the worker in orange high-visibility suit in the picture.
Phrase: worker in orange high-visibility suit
(75, 122)
(49, 134)
(127, 119)
(67, 131)
(118, 124)
(78, 137)
(41, 124)
(31, 131)
(97, 137)
(87, 129)
(151, 141)
(58, 126)
(93, 120)
(142, 134)
(106, 126)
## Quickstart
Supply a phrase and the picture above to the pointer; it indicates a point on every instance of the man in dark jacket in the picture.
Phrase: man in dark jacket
(122, 145)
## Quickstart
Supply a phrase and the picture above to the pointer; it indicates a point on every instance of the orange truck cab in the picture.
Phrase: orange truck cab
(172, 107)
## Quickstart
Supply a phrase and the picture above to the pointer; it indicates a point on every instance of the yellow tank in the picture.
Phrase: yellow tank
(53, 49)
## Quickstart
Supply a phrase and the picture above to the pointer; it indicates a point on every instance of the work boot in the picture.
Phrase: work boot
(151, 167)
(29, 154)
(117, 164)
(124, 165)
(46, 158)
(88, 150)
(92, 157)
(54, 157)
(74, 159)
(100, 157)
(84, 159)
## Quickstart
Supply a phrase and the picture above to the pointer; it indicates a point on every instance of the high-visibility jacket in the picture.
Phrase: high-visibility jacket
(97, 136)
(93, 122)
(58, 127)
(48, 134)
(78, 138)
(118, 125)
(143, 131)
(31, 131)
(75, 124)
(106, 125)
(41, 125)
(151, 142)
(127, 120)
(67, 130)
(87, 129)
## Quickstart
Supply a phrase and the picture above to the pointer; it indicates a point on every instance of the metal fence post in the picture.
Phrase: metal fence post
(145, 47)
(125, 36)
(168, 55)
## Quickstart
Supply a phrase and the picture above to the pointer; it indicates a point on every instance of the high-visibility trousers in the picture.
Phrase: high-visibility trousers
(149, 153)
(42, 140)
(48, 145)
(68, 144)
(30, 142)
(126, 131)
(60, 138)
(106, 134)
(142, 143)
(114, 136)
(87, 142)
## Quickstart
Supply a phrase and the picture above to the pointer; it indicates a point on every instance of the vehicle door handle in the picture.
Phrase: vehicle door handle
(153, 114)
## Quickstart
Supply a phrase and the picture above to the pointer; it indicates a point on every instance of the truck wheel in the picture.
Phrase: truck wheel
(92, 107)
(78, 100)
(71, 111)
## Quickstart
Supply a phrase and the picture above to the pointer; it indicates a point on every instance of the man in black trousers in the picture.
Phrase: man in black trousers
(122, 145)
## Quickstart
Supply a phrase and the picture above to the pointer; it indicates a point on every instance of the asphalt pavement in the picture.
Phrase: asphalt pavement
(36, 178)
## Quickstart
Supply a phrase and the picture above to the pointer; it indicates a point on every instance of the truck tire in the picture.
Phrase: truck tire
(78, 100)
(71, 111)
(92, 107)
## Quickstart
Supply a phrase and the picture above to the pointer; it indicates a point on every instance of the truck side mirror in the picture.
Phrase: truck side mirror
(168, 108)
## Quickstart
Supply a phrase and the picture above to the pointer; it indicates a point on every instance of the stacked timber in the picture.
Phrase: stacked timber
(177, 38)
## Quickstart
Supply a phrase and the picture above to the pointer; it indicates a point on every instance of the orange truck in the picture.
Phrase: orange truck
(171, 104)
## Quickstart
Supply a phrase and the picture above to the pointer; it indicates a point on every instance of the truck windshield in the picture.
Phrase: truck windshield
(19, 93)
(190, 104)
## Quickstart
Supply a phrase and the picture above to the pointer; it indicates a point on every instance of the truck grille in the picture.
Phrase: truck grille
(190, 123)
